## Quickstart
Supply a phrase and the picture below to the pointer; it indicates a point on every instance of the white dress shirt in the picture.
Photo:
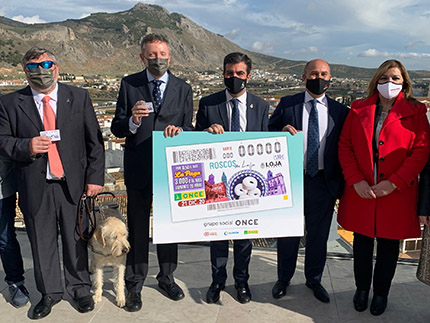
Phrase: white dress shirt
(322, 108)
(241, 106)
(37, 97)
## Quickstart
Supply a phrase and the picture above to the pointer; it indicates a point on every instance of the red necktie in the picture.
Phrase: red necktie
(49, 120)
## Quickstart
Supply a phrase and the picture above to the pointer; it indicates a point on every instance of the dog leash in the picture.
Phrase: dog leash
(86, 208)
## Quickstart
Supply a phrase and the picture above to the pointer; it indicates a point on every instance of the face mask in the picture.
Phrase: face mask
(158, 66)
(234, 84)
(41, 77)
(389, 90)
(317, 86)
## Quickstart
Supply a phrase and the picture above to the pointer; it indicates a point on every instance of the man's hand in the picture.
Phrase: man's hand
(215, 128)
(171, 131)
(139, 111)
(383, 188)
(364, 190)
(39, 145)
(291, 129)
(92, 189)
(425, 220)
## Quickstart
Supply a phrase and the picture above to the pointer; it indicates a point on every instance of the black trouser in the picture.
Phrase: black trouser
(219, 256)
(138, 212)
(318, 209)
(387, 253)
(57, 211)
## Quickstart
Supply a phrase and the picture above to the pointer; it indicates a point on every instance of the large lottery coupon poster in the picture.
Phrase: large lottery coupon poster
(229, 186)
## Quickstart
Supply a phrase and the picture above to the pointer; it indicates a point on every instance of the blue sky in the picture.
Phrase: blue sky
(353, 32)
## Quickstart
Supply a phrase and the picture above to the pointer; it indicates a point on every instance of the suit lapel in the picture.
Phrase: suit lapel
(144, 88)
(169, 94)
(64, 101)
(222, 110)
(298, 111)
(399, 110)
(332, 122)
(27, 105)
(251, 113)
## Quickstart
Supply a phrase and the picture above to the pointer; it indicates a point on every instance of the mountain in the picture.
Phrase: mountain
(109, 43)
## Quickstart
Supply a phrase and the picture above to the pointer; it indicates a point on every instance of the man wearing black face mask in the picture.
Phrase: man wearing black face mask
(321, 119)
(233, 109)
(153, 99)
(50, 131)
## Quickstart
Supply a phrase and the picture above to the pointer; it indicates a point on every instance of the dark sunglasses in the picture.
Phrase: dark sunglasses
(44, 64)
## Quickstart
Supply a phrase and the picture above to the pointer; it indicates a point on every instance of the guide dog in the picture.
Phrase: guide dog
(109, 246)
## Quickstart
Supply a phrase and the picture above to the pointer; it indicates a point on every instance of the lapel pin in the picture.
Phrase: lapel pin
(68, 100)
(251, 106)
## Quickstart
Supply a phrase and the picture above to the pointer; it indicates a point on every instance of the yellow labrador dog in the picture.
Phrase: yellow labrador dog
(109, 246)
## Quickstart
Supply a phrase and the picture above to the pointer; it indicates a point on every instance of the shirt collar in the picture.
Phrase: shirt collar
(164, 78)
(322, 99)
(241, 99)
(39, 96)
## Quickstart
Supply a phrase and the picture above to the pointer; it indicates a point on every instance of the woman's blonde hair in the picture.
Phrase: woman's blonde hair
(384, 67)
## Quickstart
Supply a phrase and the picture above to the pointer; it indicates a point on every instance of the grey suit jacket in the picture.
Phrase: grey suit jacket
(177, 109)
(213, 109)
(81, 146)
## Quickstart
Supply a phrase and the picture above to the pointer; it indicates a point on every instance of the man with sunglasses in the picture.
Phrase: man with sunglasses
(153, 99)
(51, 132)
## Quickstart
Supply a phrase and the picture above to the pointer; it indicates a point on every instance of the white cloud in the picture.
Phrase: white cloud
(417, 43)
(264, 47)
(233, 34)
(29, 20)
(371, 52)
(307, 50)
(258, 46)
(84, 15)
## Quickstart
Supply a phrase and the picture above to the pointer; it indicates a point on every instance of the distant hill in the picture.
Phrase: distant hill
(108, 43)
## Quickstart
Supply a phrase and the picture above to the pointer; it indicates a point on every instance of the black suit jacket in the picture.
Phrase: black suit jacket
(213, 109)
(177, 109)
(290, 111)
(81, 146)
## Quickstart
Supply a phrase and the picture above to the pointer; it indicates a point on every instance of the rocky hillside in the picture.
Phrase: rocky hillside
(108, 43)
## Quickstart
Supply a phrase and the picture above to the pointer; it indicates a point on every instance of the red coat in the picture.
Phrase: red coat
(403, 152)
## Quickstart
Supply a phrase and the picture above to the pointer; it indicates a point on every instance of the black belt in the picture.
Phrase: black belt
(59, 180)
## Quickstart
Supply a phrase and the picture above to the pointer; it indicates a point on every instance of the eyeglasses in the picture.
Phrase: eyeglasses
(44, 64)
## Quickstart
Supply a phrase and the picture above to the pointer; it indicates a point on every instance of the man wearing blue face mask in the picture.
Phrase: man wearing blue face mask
(321, 120)
(153, 99)
(233, 109)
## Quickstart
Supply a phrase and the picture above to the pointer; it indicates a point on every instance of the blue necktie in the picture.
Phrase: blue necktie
(156, 94)
(235, 116)
(313, 141)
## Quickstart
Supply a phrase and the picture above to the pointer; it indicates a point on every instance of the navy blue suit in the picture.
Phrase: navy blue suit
(176, 109)
(213, 109)
(320, 191)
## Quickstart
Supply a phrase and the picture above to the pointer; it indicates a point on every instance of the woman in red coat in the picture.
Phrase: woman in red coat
(383, 147)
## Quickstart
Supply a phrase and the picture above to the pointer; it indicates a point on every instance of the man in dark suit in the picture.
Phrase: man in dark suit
(52, 175)
(153, 99)
(321, 119)
(233, 109)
